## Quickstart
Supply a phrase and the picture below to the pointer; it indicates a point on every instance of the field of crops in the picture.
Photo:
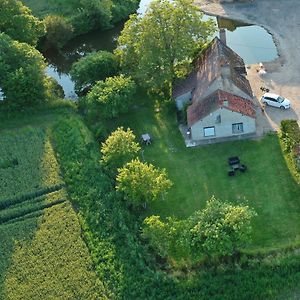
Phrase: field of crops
(28, 166)
(41, 249)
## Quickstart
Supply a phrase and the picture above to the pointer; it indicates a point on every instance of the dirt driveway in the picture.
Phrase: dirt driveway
(282, 20)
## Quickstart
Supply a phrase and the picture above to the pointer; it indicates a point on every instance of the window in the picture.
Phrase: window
(218, 119)
(237, 128)
(209, 131)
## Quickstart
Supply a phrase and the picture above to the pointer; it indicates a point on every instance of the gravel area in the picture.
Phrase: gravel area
(281, 19)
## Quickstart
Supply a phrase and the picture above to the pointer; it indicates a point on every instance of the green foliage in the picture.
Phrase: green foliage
(156, 48)
(54, 89)
(167, 238)
(119, 148)
(93, 67)
(141, 182)
(22, 74)
(91, 15)
(58, 31)
(45, 255)
(85, 15)
(290, 134)
(111, 97)
(17, 21)
(42, 252)
(36, 168)
(122, 8)
(221, 228)
(124, 266)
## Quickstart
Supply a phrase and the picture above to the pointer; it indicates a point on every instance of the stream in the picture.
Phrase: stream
(253, 43)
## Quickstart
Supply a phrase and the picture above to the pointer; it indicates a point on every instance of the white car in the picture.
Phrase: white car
(275, 100)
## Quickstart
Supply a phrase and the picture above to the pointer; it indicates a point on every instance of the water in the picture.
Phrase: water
(253, 43)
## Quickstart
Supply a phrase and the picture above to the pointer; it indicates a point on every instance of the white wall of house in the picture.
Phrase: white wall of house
(183, 99)
(219, 124)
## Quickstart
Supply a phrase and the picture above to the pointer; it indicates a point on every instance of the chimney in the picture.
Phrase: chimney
(222, 34)
(225, 102)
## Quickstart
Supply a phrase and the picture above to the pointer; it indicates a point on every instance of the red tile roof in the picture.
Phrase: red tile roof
(208, 68)
(216, 100)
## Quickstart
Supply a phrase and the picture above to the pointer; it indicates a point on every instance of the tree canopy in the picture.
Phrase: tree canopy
(220, 228)
(17, 21)
(158, 47)
(22, 73)
(111, 97)
(141, 182)
(119, 148)
(58, 31)
(93, 67)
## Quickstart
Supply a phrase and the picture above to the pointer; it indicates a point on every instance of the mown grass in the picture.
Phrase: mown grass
(41, 249)
(198, 173)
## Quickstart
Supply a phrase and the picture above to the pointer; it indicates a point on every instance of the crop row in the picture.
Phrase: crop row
(44, 256)
(5, 203)
(36, 166)
(34, 204)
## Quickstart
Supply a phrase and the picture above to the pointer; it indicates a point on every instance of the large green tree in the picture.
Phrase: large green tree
(220, 228)
(141, 182)
(159, 47)
(93, 67)
(107, 99)
(17, 21)
(119, 148)
(22, 73)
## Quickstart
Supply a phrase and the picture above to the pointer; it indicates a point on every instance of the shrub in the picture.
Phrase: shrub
(93, 67)
(58, 31)
(111, 97)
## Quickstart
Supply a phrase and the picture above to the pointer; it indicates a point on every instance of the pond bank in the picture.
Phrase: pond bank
(281, 19)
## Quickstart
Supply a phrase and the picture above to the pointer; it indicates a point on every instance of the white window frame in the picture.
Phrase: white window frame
(238, 130)
(209, 131)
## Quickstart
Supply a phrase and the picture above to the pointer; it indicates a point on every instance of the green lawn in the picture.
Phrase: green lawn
(198, 173)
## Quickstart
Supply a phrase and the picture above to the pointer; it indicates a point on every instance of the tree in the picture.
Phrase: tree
(221, 228)
(158, 47)
(17, 21)
(111, 97)
(92, 15)
(141, 182)
(22, 73)
(93, 67)
(119, 148)
(58, 31)
(167, 238)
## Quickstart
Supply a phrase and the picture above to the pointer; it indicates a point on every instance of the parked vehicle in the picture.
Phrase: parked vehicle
(275, 100)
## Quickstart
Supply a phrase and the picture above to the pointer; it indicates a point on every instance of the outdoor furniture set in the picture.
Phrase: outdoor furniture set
(235, 165)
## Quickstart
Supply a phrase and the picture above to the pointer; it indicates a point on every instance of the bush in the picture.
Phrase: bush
(109, 98)
(58, 31)
(93, 67)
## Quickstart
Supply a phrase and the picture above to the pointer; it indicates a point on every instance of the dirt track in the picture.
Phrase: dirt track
(282, 19)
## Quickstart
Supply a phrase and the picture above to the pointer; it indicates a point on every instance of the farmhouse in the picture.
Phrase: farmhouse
(219, 115)
(219, 95)
(219, 67)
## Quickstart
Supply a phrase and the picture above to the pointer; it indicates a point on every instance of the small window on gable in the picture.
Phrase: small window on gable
(218, 119)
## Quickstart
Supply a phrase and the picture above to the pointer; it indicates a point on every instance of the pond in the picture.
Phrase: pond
(253, 43)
